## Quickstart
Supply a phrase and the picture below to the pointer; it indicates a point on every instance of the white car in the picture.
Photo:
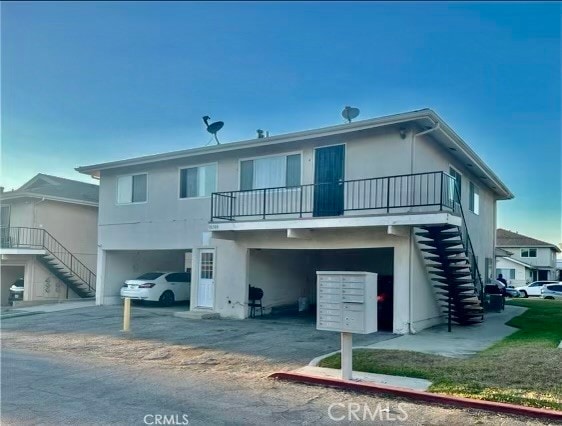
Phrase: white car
(533, 289)
(163, 287)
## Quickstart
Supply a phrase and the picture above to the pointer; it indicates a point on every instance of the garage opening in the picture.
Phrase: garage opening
(9, 276)
(123, 265)
(288, 278)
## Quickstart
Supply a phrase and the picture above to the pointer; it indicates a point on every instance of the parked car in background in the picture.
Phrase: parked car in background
(534, 289)
(511, 291)
(552, 291)
(163, 287)
(16, 291)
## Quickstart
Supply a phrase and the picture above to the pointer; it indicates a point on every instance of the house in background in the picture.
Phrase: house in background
(530, 259)
(48, 236)
(402, 196)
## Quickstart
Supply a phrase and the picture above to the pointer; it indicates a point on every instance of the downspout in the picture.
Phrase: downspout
(436, 126)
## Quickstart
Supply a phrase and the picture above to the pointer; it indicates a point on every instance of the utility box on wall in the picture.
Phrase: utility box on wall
(347, 301)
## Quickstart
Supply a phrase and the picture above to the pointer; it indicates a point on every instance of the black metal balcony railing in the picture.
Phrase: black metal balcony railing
(18, 237)
(382, 194)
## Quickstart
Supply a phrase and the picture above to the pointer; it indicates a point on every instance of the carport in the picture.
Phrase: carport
(285, 275)
(9, 274)
(121, 265)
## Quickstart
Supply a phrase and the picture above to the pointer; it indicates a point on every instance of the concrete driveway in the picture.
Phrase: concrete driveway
(283, 340)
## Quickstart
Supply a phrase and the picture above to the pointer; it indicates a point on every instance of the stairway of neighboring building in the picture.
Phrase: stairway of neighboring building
(60, 261)
(453, 271)
(70, 277)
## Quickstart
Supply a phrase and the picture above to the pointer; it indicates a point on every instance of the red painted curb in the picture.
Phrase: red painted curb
(421, 395)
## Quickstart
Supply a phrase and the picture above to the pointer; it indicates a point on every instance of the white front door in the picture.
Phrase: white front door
(206, 286)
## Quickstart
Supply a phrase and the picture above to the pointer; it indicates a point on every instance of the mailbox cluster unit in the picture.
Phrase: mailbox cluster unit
(347, 301)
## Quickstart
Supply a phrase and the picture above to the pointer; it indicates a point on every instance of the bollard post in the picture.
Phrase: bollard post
(127, 314)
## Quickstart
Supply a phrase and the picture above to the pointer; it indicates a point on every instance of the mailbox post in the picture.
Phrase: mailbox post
(347, 303)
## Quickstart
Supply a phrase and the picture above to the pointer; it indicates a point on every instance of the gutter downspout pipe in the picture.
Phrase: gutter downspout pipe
(436, 126)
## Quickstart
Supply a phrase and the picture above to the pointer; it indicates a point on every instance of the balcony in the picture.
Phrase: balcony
(407, 196)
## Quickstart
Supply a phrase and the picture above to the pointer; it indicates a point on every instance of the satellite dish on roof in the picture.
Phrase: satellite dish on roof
(349, 113)
(213, 128)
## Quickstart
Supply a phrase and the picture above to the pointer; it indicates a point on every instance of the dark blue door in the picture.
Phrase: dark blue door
(328, 181)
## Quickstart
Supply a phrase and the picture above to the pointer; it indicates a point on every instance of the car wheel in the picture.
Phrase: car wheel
(549, 297)
(167, 298)
(524, 293)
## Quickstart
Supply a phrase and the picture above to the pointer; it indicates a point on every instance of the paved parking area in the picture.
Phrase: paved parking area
(284, 340)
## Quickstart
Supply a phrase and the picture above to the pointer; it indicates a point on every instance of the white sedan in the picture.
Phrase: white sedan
(533, 289)
(163, 287)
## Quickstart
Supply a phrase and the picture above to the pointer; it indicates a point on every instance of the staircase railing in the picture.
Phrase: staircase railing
(469, 249)
(39, 238)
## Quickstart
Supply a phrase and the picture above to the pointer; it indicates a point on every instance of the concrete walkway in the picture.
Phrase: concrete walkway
(462, 342)
(359, 376)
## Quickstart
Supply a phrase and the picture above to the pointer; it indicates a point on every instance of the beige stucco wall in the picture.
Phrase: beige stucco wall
(40, 283)
(74, 226)
(232, 277)
(167, 222)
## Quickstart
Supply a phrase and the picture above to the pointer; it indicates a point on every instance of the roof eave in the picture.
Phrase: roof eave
(47, 197)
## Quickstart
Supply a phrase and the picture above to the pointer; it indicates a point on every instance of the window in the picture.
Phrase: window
(198, 181)
(529, 252)
(474, 200)
(150, 276)
(178, 277)
(457, 183)
(271, 172)
(506, 273)
(131, 189)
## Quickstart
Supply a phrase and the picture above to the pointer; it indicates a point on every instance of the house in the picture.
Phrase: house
(48, 236)
(530, 259)
(403, 196)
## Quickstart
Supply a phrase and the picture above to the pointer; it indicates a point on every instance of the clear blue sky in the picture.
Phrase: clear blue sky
(89, 82)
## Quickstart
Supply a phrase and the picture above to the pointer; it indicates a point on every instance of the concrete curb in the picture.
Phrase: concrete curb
(456, 401)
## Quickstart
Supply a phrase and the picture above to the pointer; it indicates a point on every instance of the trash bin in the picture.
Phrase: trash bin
(495, 302)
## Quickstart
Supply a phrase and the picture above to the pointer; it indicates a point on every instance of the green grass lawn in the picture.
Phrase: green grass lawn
(524, 368)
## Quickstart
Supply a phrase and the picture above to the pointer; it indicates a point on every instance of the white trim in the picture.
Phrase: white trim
(339, 222)
(180, 168)
(21, 251)
(526, 265)
(9, 197)
(259, 157)
(117, 203)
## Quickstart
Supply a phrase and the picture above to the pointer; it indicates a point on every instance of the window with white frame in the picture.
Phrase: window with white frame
(198, 181)
(456, 183)
(271, 172)
(529, 252)
(508, 273)
(474, 200)
(132, 189)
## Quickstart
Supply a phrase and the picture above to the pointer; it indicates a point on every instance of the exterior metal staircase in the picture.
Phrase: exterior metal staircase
(451, 263)
(57, 258)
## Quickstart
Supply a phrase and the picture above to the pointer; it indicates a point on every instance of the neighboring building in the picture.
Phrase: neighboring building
(270, 212)
(530, 259)
(48, 236)
(559, 269)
